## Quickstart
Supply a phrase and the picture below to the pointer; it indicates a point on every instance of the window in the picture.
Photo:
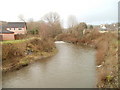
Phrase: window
(19, 28)
(8, 28)
(12, 28)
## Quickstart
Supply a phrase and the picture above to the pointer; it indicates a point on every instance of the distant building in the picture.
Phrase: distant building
(5, 34)
(17, 27)
(8, 30)
(103, 28)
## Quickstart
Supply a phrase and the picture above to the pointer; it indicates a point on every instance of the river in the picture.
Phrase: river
(72, 67)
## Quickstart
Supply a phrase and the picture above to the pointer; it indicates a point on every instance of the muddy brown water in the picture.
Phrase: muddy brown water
(72, 67)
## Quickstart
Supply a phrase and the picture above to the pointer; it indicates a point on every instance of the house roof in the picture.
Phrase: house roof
(3, 29)
(6, 31)
(15, 24)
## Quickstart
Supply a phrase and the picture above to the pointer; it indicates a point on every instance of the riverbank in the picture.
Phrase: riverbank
(106, 45)
(18, 54)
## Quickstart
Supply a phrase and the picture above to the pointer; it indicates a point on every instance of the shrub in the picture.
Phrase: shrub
(20, 36)
(14, 50)
(10, 50)
(40, 45)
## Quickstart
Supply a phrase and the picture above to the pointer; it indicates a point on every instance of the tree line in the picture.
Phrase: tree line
(50, 26)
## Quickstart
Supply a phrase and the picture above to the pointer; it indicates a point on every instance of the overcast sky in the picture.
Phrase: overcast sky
(89, 11)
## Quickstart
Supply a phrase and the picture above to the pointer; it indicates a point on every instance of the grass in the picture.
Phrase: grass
(118, 41)
(13, 41)
(16, 41)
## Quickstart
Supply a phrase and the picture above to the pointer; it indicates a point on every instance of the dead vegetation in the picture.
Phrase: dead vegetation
(10, 50)
(14, 53)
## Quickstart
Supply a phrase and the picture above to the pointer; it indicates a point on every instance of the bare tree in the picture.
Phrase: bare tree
(53, 22)
(80, 28)
(51, 18)
(72, 21)
(30, 24)
(91, 27)
(21, 17)
(30, 20)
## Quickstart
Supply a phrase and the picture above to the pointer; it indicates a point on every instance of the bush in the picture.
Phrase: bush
(33, 32)
(67, 37)
(10, 50)
(20, 36)
(40, 45)
(14, 50)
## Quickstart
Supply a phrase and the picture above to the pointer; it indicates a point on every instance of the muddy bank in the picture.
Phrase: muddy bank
(21, 54)
(106, 45)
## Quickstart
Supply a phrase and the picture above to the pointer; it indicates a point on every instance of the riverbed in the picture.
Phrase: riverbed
(72, 67)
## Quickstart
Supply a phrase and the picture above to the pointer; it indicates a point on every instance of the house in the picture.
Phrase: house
(17, 27)
(103, 27)
(5, 34)
(8, 30)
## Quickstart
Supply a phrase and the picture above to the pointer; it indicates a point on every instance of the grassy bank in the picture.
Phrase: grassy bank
(106, 45)
(20, 53)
